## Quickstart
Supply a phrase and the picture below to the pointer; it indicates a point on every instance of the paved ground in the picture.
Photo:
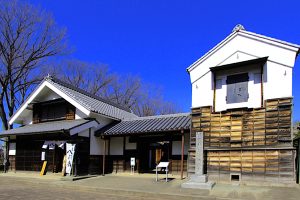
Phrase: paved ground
(32, 186)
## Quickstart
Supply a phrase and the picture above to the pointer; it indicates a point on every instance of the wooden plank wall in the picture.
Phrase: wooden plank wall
(12, 163)
(255, 130)
(120, 166)
(175, 167)
(266, 164)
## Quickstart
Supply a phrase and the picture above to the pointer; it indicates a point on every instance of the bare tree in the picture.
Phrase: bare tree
(129, 91)
(125, 91)
(92, 77)
(151, 102)
(296, 129)
(143, 99)
(28, 36)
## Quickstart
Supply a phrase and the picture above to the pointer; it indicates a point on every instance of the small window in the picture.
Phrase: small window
(237, 88)
(235, 177)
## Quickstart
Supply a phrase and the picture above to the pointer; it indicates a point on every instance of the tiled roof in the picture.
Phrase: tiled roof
(55, 126)
(92, 102)
(242, 31)
(151, 124)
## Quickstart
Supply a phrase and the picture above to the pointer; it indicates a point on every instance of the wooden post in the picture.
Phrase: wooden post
(262, 86)
(182, 153)
(103, 161)
(298, 161)
(53, 161)
(214, 97)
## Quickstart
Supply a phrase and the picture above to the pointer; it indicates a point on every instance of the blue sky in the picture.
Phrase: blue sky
(158, 40)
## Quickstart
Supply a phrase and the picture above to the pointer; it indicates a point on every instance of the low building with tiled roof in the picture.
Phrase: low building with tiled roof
(57, 115)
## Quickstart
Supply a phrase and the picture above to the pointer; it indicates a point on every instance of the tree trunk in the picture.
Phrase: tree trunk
(3, 113)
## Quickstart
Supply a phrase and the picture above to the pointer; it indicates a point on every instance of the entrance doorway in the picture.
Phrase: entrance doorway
(151, 153)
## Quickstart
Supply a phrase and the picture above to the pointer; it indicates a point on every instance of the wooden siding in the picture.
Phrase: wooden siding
(232, 135)
(117, 164)
(269, 126)
(263, 163)
(175, 168)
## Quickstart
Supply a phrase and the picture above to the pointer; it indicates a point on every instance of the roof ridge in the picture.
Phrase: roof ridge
(270, 38)
(122, 107)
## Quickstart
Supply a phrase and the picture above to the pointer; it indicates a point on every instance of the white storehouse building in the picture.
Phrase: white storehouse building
(242, 102)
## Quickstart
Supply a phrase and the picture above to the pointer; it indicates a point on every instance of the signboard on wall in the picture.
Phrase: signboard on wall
(70, 148)
(12, 149)
(132, 162)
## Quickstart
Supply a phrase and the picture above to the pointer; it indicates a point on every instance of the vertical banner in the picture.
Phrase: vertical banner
(43, 156)
(70, 148)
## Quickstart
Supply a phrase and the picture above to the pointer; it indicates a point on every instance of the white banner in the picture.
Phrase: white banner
(70, 148)
(43, 156)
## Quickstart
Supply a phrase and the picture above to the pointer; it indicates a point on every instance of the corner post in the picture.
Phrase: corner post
(103, 157)
(298, 161)
(182, 154)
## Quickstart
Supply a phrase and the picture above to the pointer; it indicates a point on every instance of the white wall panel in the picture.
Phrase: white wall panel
(116, 146)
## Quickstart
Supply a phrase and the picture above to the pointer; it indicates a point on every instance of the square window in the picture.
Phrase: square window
(237, 88)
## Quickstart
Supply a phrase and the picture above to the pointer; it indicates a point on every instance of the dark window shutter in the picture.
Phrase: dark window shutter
(237, 88)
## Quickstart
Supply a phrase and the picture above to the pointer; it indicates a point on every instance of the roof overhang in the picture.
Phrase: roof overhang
(258, 61)
(70, 127)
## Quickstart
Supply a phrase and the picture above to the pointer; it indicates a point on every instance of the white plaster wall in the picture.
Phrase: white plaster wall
(239, 48)
(116, 146)
(85, 133)
(278, 81)
(49, 96)
(97, 144)
(246, 45)
(129, 145)
(176, 145)
(254, 90)
(202, 91)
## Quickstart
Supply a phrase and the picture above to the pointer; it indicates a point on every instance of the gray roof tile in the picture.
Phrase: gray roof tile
(55, 126)
(92, 102)
(151, 124)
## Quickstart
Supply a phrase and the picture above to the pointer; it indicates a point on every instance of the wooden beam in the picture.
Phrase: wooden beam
(262, 85)
(182, 155)
(214, 97)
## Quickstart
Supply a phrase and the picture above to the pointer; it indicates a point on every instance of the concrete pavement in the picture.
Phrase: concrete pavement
(28, 185)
